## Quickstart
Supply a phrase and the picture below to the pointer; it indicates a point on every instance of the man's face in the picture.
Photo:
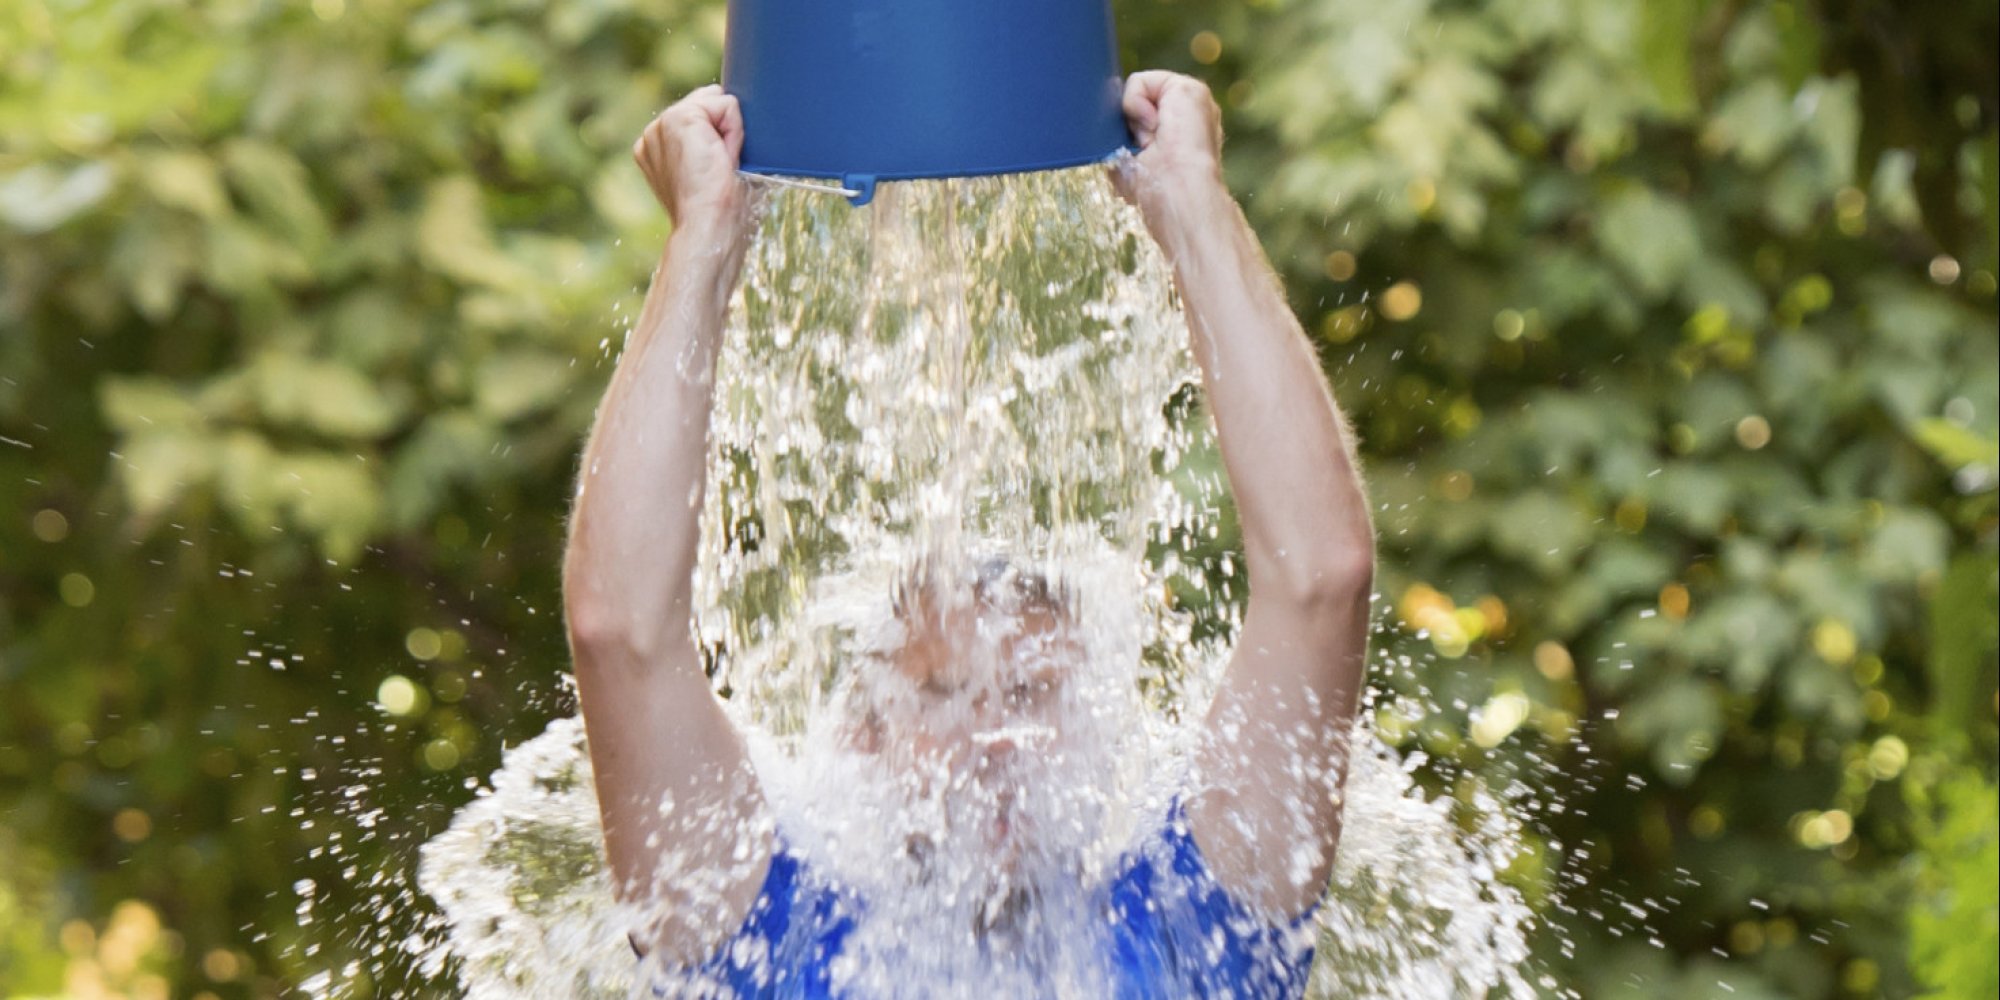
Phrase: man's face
(969, 706)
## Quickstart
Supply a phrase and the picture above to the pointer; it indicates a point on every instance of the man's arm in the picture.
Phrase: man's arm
(674, 785)
(1273, 755)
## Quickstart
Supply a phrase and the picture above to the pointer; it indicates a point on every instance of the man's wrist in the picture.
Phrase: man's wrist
(1188, 200)
(1195, 215)
(706, 256)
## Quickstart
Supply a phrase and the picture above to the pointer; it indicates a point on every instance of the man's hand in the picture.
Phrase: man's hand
(1179, 129)
(689, 155)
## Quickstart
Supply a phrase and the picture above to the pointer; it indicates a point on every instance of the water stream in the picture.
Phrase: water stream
(966, 370)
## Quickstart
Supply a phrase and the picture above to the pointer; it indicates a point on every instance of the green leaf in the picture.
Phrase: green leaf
(1955, 446)
(1919, 321)
(243, 474)
(519, 382)
(323, 396)
(1717, 280)
(1910, 390)
(1832, 121)
(1964, 620)
(1541, 529)
(1679, 723)
(276, 187)
(1755, 122)
(372, 327)
(138, 403)
(1653, 236)
(1713, 403)
(244, 261)
(183, 179)
(618, 191)
(331, 496)
(453, 237)
(1955, 912)
(1746, 632)
(158, 466)
(1910, 544)
(1696, 495)
(1666, 42)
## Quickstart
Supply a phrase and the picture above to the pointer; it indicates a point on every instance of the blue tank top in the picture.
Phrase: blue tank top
(1174, 932)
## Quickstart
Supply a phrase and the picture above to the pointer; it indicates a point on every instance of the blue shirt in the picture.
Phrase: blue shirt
(1173, 932)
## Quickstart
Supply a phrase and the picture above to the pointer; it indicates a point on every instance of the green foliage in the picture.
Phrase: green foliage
(28, 958)
(1676, 383)
(1667, 328)
(1955, 915)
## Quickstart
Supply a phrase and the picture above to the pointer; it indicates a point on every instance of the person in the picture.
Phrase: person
(1218, 899)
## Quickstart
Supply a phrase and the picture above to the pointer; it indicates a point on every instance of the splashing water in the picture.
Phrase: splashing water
(965, 369)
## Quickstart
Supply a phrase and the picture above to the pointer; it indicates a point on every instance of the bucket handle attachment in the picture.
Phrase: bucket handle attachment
(858, 189)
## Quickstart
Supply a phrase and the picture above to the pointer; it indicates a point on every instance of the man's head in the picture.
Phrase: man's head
(978, 736)
(980, 657)
(966, 703)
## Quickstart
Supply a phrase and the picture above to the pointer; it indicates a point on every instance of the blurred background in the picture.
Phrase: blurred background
(1668, 329)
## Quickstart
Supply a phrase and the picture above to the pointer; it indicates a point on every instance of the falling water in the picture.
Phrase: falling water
(965, 369)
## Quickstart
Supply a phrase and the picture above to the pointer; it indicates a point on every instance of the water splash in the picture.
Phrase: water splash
(966, 368)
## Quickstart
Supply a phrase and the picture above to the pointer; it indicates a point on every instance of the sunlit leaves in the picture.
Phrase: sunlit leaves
(330, 495)
(1666, 43)
(1754, 123)
(1652, 236)
(1678, 724)
(182, 179)
(1702, 315)
(158, 466)
(1952, 913)
(1961, 643)
(140, 403)
(1541, 529)
(327, 398)
(276, 190)
(454, 238)
(516, 383)
(1959, 447)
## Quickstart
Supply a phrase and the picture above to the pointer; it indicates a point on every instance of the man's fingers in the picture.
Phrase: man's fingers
(705, 110)
(1149, 81)
(732, 130)
(714, 107)
(643, 148)
(1141, 101)
(711, 103)
(1143, 115)
(710, 109)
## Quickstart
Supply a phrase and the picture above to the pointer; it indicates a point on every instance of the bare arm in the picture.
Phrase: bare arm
(1273, 756)
(674, 785)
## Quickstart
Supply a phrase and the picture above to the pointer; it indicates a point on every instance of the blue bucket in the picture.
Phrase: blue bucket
(868, 90)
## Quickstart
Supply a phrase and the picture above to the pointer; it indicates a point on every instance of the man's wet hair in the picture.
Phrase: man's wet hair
(995, 580)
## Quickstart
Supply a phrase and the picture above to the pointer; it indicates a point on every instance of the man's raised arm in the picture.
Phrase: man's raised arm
(1273, 757)
(673, 780)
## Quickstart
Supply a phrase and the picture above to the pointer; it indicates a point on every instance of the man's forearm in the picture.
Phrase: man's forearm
(1298, 493)
(633, 534)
